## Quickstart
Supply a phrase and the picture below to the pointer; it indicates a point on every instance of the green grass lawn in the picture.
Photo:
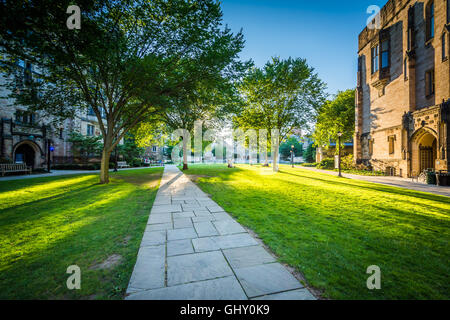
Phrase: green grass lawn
(331, 229)
(48, 224)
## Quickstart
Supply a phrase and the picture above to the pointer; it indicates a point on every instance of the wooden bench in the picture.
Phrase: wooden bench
(14, 167)
(122, 164)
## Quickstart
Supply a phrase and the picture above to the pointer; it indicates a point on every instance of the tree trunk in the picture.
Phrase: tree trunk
(275, 158)
(185, 155)
(104, 168)
(266, 161)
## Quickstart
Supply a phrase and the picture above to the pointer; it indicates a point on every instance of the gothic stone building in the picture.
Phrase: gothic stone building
(402, 101)
(25, 136)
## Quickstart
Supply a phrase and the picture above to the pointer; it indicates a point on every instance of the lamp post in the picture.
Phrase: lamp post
(49, 149)
(292, 155)
(339, 152)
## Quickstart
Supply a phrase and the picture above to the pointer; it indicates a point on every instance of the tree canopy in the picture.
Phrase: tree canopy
(283, 95)
(129, 61)
(286, 147)
(336, 115)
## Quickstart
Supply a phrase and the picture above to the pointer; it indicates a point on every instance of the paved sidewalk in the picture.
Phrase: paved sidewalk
(390, 181)
(193, 250)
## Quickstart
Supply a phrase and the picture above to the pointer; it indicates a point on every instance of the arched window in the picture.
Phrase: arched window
(430, 21)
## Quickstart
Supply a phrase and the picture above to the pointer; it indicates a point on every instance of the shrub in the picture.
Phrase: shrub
(76, 166)
(327, 163)
(314, 164)
(135, 162)
(347, 162)
(5, 160)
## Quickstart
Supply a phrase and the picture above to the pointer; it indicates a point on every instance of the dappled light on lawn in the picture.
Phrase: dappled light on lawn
(331, 229)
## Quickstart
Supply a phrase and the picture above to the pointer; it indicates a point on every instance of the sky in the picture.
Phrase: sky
(324, 32)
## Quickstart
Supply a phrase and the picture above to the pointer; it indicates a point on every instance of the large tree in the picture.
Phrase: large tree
(129, 61)
(336, 115)
(286, 148)
(283, 96)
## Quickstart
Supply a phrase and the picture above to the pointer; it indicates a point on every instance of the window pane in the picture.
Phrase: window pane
(432, 27)
(444, 49)
(385, 59)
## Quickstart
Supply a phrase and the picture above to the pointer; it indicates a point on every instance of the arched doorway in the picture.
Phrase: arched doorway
(27, 152)
(424, 151)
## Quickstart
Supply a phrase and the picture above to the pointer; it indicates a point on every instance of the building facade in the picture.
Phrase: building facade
(403, 91)
(31, 137)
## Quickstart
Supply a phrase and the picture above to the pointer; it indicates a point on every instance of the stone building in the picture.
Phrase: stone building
(403, 91)
(28, 137)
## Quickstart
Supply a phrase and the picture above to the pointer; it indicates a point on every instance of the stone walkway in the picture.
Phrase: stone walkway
(193, 250)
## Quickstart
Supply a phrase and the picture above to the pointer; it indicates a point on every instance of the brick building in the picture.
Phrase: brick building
(403, 91)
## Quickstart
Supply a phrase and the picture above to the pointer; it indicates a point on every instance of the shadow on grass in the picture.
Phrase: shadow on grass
(87, 235)
(376, 187)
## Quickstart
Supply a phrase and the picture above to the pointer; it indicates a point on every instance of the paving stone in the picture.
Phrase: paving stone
(149, 271)
(156, 218)
(162, 200)
(152, 238)
(209, 217)
(181, 223)
(206, 202)
(196, 267)
(177, 202)
(205, 244)
(178, 247)
(226, 288)
(182, 198)
(223, 242)
(201, 212)
(235, 241)
(166, 208)
(221, 216)
(266, 279)
(215, 208)
(247, 256)
(178, 234)
(205, 229)
(300, 294)
(228, 226)
(185, 214)
(159, 226)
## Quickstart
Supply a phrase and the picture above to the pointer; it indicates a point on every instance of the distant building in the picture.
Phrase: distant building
(403, 89)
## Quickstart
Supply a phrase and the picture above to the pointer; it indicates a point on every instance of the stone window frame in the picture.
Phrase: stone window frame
(88, 133)
(388, 50)
(448, 11)
(391, 141)
(430, 21)
(25, 117)
(375, 48)
(430, 90)
(444, 45)
(405, 68)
